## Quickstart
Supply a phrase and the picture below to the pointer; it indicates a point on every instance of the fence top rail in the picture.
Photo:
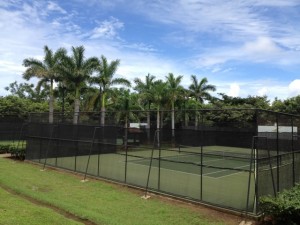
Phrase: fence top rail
(178, 110)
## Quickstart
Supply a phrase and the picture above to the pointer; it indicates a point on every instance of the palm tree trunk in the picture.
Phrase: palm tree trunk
(185, 118)
(126, 133)
(148, 120)
(157, 119)
(76, 107)
(158, 128)
(51, 109)
(103, 110)
(196, 120)
(173, 120)
(76, 111)
(148, 124)
(51, 103)
(102, 116)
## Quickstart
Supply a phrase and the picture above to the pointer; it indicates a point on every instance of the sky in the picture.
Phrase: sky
(243, 47)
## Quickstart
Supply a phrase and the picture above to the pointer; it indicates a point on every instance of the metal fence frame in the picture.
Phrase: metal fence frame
(267, 171)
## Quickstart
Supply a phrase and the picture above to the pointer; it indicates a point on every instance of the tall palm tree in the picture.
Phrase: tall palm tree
(77, 70)
(143, 88)
(158, 97)
(127, 109)
(200, 91)
(174, 90)
(46, 71)
(104, 78)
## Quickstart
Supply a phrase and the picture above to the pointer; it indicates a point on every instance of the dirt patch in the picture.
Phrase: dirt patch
(5, 155)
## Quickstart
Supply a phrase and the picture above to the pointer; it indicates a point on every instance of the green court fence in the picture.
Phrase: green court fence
(225, 158)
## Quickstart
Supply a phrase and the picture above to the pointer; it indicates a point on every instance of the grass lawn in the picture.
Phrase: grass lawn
(100, 202)
(15, 210)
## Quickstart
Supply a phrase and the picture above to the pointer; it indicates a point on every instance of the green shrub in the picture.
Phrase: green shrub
(283, 209)
(16, 151)
(4, 148)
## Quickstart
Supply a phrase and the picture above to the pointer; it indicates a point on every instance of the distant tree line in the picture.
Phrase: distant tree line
(72, 82)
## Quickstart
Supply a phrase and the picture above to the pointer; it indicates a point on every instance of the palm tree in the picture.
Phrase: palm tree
(104, 78)
(158, 97)
(200, 92)
(127, 108)
(143, 88)
(77, 70)
(174, 91)
(46, 71)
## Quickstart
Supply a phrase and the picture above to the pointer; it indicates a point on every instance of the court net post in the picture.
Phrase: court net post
(156, 138)
(20, 142)
(48, 145)
(293, 153)
(90, 152)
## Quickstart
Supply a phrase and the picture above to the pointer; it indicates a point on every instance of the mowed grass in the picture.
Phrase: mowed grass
(17, 211)
(98, 201)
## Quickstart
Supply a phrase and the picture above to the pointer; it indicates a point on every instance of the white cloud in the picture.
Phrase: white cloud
(254, 87)
(262, 91)
(234, 90)
(141, 47)
(276, 3)
(250, 33)
(262, 45)
(294, 88)
(107, 29)
(240, 32)
(261, 50)
(52, 6)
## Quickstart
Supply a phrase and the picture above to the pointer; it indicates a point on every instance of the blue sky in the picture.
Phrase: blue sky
(244, 47)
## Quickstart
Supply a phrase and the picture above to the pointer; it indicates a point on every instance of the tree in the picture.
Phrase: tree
(20, 107)
(104, 78)
(77, 70)
(260, 102)
(127, 109)
(25, 90)
(174, 89)
(46, 71)
(290, 105)
(144, 88)
(158, 95)
(200, 90)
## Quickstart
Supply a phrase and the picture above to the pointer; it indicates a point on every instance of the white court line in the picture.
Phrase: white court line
(213, 160)
(223, 171)
(195, 174)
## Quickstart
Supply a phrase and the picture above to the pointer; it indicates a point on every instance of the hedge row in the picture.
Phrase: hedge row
(16, 152)
(283, 209)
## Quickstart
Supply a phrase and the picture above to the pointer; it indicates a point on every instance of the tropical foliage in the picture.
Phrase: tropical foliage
(70, 82)
(76, 70)
(46, 71)
(283, 209)
(104, 79)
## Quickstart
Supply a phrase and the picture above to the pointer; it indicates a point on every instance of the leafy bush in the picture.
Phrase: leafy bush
(4, 148)
(16, 152)
(283, 209)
